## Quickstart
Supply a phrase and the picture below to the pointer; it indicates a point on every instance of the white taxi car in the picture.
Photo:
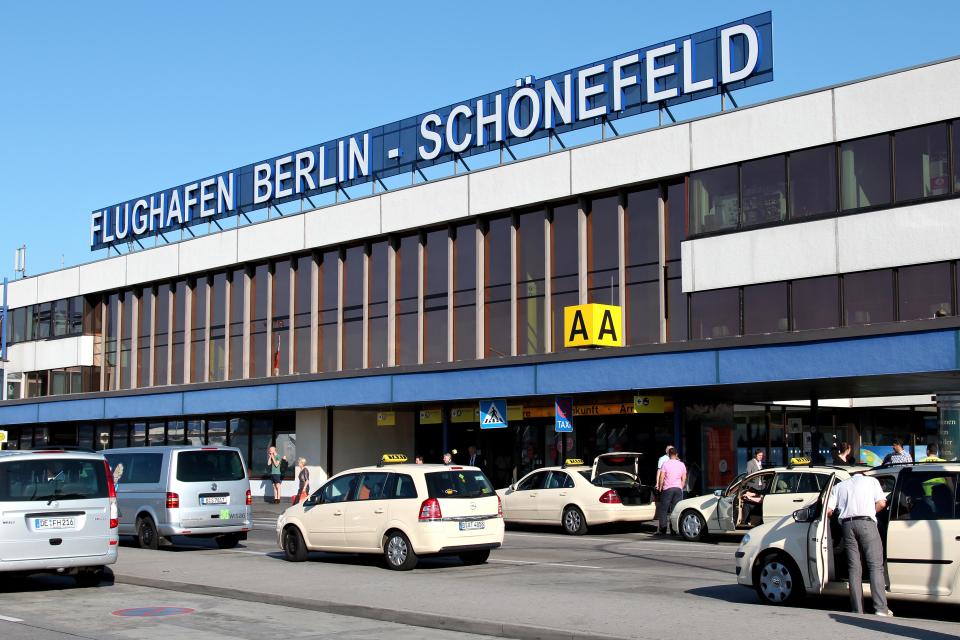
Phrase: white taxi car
(576, 496)
(774, 493)
(403, 511)
(803, 553)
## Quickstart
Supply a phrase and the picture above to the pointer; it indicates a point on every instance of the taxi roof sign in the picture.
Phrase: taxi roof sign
(800, 461)
(392, 458)
(573, 462)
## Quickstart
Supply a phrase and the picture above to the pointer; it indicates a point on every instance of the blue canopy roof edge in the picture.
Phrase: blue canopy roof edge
(905, 353)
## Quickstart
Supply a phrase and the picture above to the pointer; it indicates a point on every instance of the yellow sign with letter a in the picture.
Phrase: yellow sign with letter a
(592, 325)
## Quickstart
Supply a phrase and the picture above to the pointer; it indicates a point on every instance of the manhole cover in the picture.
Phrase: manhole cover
(152, 612)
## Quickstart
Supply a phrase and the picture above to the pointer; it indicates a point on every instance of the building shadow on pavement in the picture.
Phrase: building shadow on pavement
(43, 582)
(890, 627)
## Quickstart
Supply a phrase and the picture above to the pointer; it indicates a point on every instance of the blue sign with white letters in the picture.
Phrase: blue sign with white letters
(564, 414)
(728, 57)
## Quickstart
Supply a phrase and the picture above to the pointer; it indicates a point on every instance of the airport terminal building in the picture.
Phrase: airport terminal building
(784, 276)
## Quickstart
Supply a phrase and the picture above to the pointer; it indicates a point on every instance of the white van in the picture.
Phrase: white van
(199, 492)
(58, 514)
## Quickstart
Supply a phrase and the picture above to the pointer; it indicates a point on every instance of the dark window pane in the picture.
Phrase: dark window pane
(465, 292)
(922, 162)
(531, 263)
(675, 219)
(564, 280)
(925, 291)
(816, 303)
(76, 313)
(126, 330)
(865, 172)
(301, 309)
(259, 288)
(641, 230)
(764, 190)
(218, 326)
(42, 329)
(60, 318)
(280, 319)
(955, 126)
(198, 330)
(765, 308)
(435, 304)
(868, 297)
(161, 338)
(378, 286)
(111, 345)
(408, 260)
(180, 308)
(353, 309)
(496, 292)
(240, 437)
(327, 338)
(237, 283)
(713, 199)
(676, 305)
(715, 314)
(144, 327)
(603, 257)
(813, 181)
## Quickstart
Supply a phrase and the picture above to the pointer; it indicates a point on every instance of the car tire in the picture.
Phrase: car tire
(90, 577)
(693, 527)
(398, 552)
(475, 557)
(573, 521)
(294, 548)
(778, 581)
(147, 535)
(228, 541)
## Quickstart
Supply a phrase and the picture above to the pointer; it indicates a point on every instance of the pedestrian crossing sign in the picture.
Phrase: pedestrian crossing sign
(493, 414)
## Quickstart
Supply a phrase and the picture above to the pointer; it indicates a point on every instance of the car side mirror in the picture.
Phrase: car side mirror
(513, 487)
(718, 493)
(311, 501)
(807, 514)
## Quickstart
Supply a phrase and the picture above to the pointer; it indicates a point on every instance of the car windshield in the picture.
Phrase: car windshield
(458, 484)
(53, 479)
(209, 466)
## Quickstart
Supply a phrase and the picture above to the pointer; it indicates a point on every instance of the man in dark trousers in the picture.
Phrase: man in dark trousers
(670, 480)
(859, 500)
(474, 459)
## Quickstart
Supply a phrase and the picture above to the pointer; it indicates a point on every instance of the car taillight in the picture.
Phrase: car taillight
(249, 498)
(173, 501)
(610, 497)
(430, 510)
(112, 494)
(499, 507)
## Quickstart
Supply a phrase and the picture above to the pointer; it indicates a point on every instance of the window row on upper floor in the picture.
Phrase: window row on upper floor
(901, 167)
(55, 319)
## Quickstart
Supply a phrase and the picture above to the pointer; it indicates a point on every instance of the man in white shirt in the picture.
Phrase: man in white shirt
(858, 501)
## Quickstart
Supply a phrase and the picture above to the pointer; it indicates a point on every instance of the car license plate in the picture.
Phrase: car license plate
(215, 500)
(472, 524)
(48, 524)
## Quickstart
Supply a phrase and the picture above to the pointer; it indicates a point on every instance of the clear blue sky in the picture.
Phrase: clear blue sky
(102, 102)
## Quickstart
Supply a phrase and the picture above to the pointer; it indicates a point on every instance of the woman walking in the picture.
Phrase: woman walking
(304, 476)
(276, 476)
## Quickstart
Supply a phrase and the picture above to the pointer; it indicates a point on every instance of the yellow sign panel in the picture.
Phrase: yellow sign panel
(386, 418)
(463, 415)
(3, 437)
(648, 404)
(431, 416)
(592, 325)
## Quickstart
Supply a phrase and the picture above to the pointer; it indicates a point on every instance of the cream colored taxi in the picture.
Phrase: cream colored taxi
(803, 553)
(403, 511)
(576, 496)
(750, 500)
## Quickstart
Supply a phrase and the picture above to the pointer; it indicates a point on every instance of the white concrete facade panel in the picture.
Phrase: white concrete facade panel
(22, 292)
(754, 132)
(899, 100)
(153, 264)
(104, 275)
(22, 357)
(342, 223)
(58, 284)
(423, 205)
(64, 352)
(208, 252)
(895, 237)
(765, 255)
(273, 238)
(520, 183)
(637, 158)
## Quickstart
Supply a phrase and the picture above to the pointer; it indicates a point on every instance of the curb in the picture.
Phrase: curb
(397, 616)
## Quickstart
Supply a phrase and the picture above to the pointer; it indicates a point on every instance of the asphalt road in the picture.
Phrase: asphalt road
(613, 582)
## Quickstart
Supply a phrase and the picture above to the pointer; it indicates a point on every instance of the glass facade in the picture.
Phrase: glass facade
(641, 228)
(353, 303)
(564, 283)
(531, 268)
(302, 305)
(496, 291)
(436, 268)
(280, 334)
(408, 270)
(465, 292)
(603, 260)
(198, 329)
(379, 286)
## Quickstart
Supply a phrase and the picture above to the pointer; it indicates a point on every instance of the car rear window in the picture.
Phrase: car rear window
(209, 466)
(52, 479)
(465, 483)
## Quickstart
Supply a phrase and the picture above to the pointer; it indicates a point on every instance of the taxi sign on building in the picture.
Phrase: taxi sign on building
(592, 325)
(493, 414)
(564, 414)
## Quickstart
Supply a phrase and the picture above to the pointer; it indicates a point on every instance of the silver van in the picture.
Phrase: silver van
(58, 514)
(201, 492)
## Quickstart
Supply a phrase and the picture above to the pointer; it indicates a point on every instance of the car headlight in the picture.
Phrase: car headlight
(746, 540)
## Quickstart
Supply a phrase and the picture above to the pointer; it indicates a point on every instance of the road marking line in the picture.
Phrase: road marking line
(659, 543)
(9, 619)
(545, 564)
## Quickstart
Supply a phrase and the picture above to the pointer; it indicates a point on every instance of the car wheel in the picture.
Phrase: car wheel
(778, 581)
(228, 541)
(294, 548)
(89, 577)
(475, 557)
(573, 521)
(692, 526)
(398, 553)
(147, 536)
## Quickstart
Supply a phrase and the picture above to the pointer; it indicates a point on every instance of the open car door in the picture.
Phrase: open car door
(818, 537)
(727, 504)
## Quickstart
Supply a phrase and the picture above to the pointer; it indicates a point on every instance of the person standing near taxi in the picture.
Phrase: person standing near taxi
(899, 456)
(859, 500)
(755, 463)
(670, 481)
(276, 476)
(932, 454)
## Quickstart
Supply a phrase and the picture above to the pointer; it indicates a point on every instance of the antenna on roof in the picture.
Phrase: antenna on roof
(20, 262)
